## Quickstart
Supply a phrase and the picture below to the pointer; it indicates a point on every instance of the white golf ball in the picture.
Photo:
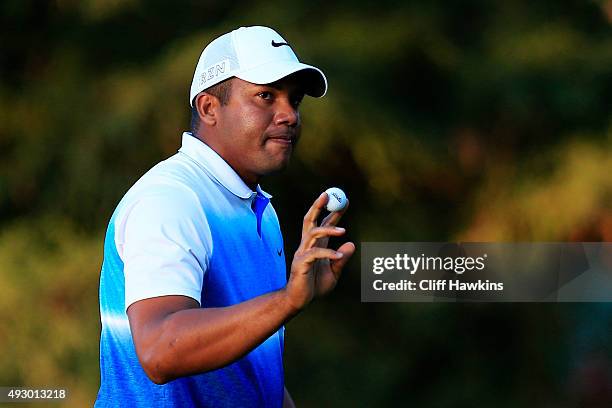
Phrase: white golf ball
(337, 199)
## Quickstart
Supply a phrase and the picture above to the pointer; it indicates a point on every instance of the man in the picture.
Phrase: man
(193, 288)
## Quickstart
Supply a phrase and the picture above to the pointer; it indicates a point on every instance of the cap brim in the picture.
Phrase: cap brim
(313, 79)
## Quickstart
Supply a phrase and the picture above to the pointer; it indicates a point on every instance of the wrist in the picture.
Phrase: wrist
(289, 306)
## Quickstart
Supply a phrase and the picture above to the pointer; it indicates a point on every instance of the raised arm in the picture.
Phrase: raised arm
(174, 337)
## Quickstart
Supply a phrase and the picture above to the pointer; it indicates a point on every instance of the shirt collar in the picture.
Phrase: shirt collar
(218, 168)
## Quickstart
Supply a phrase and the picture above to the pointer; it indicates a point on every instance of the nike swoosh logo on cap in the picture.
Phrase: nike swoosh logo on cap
(278, 44)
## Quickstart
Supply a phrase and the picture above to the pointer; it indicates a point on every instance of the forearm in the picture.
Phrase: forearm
(196, 340)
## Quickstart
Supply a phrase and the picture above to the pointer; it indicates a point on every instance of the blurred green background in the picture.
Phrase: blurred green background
(445, 120)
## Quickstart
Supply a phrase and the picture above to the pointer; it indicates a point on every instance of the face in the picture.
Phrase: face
(259, 127)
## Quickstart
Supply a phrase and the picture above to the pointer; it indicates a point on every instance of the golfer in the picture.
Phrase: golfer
(194, 292)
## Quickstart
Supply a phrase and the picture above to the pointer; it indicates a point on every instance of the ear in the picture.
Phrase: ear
(208, 107)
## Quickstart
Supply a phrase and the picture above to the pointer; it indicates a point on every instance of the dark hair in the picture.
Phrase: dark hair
(221, 91)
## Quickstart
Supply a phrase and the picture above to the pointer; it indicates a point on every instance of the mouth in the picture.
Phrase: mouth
(284, 139)
(280, 140)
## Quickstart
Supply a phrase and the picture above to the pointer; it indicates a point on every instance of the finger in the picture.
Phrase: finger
(316, 233)
(309, 256)
(311, 217)
(347, 250)
(334, 217)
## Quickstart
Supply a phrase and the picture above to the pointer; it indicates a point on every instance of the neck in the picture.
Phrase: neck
(250, 181)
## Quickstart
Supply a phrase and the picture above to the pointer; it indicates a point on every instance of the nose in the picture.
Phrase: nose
(286, 114)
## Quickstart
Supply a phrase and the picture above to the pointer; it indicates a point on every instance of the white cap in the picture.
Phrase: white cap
(255, 54)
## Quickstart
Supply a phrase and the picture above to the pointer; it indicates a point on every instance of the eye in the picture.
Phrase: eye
(267, 95)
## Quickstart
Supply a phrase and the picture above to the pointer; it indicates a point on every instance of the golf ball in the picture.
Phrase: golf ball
(337, 199)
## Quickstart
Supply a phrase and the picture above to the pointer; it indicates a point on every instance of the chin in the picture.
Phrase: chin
(276, 167)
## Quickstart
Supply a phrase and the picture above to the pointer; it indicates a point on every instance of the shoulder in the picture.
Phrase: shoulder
(170, 187)
(159, 201)
(162, 210)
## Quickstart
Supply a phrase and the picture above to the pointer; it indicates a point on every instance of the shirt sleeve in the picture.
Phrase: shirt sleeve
(165, 243)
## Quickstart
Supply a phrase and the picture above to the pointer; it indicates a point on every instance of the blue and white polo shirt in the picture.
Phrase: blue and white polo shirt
(190, 226)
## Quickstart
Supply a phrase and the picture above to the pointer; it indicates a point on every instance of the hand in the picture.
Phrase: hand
(315, 269)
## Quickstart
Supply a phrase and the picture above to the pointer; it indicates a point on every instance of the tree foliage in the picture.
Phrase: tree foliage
(445, 120)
